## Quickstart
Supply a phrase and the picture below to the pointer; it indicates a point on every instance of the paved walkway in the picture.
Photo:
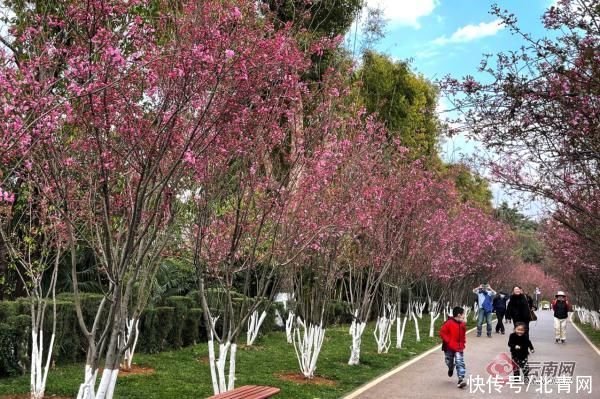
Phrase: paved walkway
(427, 377)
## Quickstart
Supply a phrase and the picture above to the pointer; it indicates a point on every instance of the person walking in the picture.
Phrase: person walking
(518, 309)
(561, 308)
(485, 295)
(519, 345)
(500, 309)
(454, 338)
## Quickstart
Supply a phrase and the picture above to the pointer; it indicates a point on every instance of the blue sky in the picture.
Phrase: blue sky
(444, 37)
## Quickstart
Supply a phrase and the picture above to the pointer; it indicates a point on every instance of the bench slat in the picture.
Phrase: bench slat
(248, 392)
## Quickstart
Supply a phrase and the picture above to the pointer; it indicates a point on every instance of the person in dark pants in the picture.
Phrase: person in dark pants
(518, 309)
(520, 345)
(500, 309)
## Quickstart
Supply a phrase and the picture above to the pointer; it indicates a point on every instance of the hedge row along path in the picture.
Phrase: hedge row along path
(427, 378)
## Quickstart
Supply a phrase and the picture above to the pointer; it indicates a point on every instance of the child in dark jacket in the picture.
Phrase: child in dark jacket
(454, 337)
(520, 345)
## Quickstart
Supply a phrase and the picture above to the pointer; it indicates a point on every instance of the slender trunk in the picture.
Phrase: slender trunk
(211, 361)
(400, 331)
(113, 353)
(308, 346)
(221, 380)
(434, 314)
(418, 337)
(39, 373)
(254, 323)
(289, 324)
(356, 330)
(383, 328)
(87, 389)
(132, 334)
(467, 311)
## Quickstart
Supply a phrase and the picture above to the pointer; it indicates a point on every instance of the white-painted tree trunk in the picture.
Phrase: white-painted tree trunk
(419, 307)
(475, 311)
(289, 324)
(356, 331)
(467, 311)
(418, 336)
(254, 323)
(308, 346)
(107, 385)
(434, 313)
(222, 380)
(132, 333)
(39, 374)
(383, 328)
(400, 331)
(595, 319)
(87, 389)
(447, 311)
(582, 314)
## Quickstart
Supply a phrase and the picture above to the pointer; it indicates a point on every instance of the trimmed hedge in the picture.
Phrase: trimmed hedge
(14, 341)
(176, 323)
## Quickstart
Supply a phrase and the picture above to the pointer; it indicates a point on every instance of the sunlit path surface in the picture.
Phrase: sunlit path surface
(427, 378)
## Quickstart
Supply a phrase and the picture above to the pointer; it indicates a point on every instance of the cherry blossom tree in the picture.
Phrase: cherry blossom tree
(147, 98)
(34, 237)
(538, 114)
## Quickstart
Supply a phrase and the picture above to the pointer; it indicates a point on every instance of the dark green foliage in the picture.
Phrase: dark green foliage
(193, 331)
(529, 246)
(7, 309)
(339, 312)
(181, 306)
(472, 187)
(173, 278)
(515, 219)
(404, 101)
(70, 343)
(328, 18)
(156, 324)
(14, 339)
(178, 323)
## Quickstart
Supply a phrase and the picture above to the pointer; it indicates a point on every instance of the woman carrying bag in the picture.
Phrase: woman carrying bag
(520, 308)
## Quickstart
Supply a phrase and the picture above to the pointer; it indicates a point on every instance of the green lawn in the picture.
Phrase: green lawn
(182, 374)
(593, 335)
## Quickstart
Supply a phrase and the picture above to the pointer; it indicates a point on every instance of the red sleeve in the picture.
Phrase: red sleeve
(553, 304)
(444, 333)
(569, 309)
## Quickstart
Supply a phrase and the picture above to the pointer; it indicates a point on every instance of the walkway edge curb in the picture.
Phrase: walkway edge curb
(585, 337)
(390, 373)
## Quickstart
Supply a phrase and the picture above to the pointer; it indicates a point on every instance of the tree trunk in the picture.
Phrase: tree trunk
(308, 346)
(356, 330)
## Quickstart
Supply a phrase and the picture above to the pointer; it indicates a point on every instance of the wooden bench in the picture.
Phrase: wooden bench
(248, 392)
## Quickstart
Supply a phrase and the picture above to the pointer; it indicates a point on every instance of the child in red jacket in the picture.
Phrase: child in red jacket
(454, 337)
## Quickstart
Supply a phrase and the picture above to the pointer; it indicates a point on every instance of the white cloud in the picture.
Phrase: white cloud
(471, 32)
(426, 54)
(404, 12)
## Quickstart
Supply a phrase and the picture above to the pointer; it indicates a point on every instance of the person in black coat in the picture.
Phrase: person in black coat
(519, 308)
(500, 309)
